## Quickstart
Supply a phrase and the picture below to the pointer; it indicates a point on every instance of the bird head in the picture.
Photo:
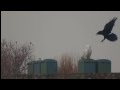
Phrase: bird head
(100, 33)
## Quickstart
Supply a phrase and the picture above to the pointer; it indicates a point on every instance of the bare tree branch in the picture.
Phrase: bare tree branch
(14, 58)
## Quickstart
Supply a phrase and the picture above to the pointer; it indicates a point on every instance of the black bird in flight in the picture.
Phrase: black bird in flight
(106, 32)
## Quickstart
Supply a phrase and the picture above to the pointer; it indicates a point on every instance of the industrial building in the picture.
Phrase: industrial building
(94, 66)
(42, 67)
(49, 66)
(103, 66)
(31, 67)
(87, 66)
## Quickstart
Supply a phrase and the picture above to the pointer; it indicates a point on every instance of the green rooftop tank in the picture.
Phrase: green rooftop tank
(34, 67)
(31, 67)
(103, 66)
(37, 67)
(48, 67)
(87, 66)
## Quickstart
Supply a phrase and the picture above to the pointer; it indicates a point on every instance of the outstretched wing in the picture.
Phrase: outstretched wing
(112, 37)
(109, 26)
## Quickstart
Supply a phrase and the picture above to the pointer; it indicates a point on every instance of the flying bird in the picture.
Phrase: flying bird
(106, 32)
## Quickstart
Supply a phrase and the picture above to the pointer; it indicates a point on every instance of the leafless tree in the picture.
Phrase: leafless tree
(67, 66)
(14, 58)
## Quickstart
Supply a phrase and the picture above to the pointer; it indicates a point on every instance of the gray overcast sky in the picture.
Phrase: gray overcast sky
(57, 32)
